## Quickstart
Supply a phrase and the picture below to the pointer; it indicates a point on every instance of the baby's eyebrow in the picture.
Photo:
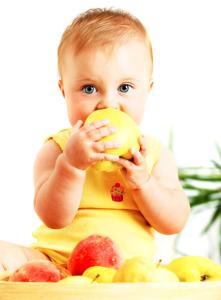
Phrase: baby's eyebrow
(130, 79)
(92, 80)
(86, 79)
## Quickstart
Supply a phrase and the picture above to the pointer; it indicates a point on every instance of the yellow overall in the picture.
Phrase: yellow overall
(106, 208)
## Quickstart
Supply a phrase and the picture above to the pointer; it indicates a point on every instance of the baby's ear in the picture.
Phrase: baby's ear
(151, 83)
(61, 87)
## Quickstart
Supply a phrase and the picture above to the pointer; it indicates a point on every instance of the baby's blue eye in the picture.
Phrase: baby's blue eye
(89, 89)
(124, 88)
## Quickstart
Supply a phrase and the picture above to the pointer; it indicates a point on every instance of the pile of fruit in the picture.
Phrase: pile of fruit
(97, 259)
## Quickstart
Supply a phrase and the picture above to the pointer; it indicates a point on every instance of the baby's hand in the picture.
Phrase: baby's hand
(84, 147)
(135, 170)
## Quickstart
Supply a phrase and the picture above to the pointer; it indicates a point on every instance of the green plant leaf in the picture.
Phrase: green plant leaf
(216, 164)
(192, 187)
(203, 188)
(218, 148)
(199, 200)
(216, 214)
(195, 170)
(202, 177)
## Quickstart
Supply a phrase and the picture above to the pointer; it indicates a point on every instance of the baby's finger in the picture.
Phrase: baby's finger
(77, 126)
(102, 146)
(105, 156)
(111, 157)
(95, 125)
(125, 163)
(138, 158)
(99, 133)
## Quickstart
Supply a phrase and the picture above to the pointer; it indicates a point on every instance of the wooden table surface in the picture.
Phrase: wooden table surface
(111, 291)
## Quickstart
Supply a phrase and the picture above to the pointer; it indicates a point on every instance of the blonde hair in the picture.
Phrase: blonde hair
(100, 27)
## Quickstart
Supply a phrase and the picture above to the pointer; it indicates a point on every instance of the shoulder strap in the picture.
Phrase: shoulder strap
(61, 137)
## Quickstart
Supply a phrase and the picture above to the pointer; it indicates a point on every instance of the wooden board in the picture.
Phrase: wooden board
(110, 291)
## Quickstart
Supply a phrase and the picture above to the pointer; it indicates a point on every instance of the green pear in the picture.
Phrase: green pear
(135, 269)
(161, 274)
(139, 269)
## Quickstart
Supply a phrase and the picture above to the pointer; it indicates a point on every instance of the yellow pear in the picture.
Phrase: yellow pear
(100, 274)
(161, 274)
(195, 268)
(127, 134)
(135, 269)
(76, 279)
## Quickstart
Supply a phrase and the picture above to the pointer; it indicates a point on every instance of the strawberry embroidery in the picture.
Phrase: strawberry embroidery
(117, 192)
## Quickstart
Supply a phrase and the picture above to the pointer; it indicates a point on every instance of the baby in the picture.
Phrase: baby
(105, 60)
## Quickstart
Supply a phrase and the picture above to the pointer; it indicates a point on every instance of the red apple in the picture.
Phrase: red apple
(95, 250)
(37, 271)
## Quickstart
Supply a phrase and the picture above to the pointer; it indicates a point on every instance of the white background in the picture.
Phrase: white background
(186, 39)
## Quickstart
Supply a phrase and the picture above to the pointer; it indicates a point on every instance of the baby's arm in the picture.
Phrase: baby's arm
(161, 199)
(58, 187)
(159, 196)
(59, 176)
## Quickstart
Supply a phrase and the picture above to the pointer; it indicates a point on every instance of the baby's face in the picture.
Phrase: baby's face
(102, 78)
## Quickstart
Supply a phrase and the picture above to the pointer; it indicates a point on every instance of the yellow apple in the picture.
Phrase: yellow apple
(135, 269)
(195, 268)
(139, 269)
(127, 135)
(161, 274)
(100, 274)
(76, 279)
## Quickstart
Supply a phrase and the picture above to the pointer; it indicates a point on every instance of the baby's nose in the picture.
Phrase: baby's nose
(107, 102)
